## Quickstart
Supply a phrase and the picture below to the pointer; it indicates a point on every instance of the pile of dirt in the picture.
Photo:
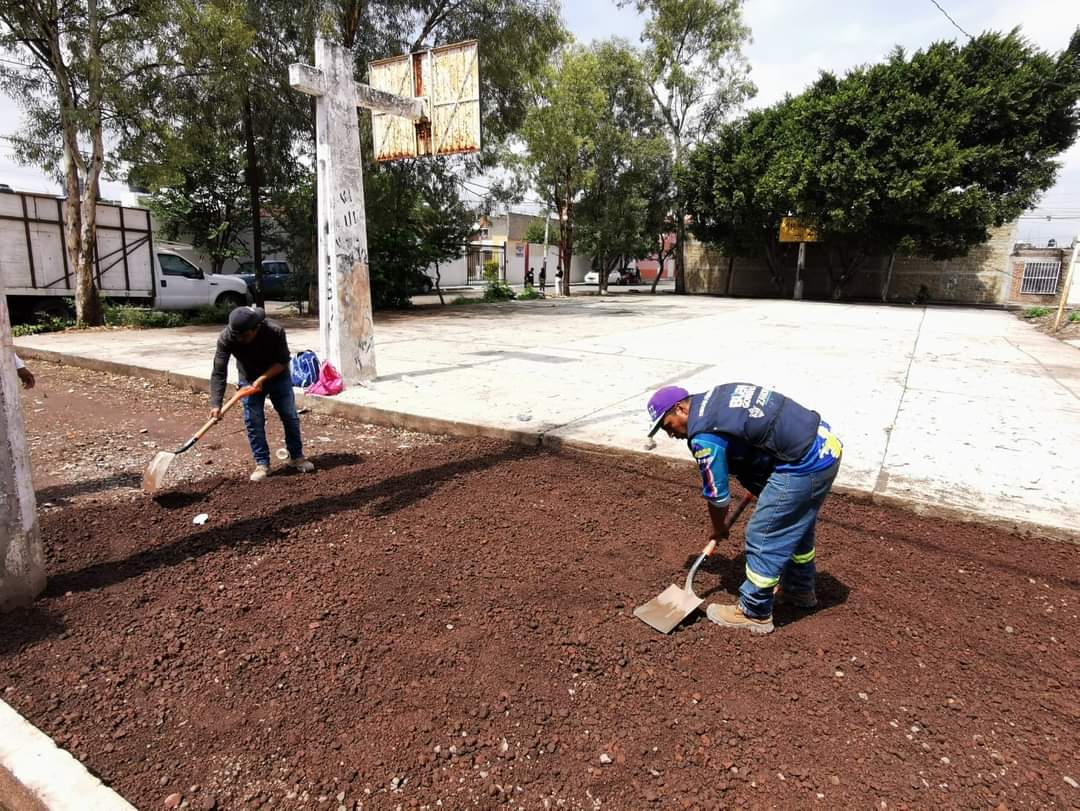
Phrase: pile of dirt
(451, 622)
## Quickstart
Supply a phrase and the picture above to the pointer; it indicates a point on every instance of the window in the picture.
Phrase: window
(276, 268)
(173, 265)
(1040, 278)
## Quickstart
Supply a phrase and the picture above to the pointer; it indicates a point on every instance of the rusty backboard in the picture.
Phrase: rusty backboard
(447, 78)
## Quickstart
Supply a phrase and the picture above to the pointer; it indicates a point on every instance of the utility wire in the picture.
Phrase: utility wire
(981, 47)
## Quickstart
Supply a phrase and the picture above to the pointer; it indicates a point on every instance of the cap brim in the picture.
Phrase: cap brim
(656, 423)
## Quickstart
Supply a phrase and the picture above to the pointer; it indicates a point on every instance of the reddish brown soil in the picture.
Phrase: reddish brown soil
(451, 621)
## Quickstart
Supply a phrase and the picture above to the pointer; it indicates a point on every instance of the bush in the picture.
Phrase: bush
(21, 330)
(1074, 316)
(1036, 312)
(209, 315)
(44, 324)
(125, 315)
(528, 294)
(463, 300)
(497, 289)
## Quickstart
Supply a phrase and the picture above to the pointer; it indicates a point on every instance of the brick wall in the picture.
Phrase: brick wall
(1017, 276)
(981, 277)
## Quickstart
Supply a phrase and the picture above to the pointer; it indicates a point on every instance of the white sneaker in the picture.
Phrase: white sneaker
(259, 473)
(301, 465)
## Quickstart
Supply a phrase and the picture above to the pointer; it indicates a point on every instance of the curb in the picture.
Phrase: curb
(434, 425)
(37, 775)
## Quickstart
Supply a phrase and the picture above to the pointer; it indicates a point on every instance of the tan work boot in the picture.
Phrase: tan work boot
(259, 473)
(732, 616)
(301, 465)
(798, 599)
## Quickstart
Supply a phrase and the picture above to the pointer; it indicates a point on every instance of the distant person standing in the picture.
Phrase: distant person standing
(558, 281)
(530, 278)
(543, 278)
(262, 360)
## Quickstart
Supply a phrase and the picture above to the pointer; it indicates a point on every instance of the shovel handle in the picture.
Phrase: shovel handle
(729, 522)
(236, 398)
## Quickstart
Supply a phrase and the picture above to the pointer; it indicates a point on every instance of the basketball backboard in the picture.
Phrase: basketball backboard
(447, 79)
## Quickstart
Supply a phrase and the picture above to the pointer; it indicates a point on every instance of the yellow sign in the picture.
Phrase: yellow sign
(791, 230)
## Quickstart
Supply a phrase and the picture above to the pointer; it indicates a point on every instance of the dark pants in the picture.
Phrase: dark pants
(279, 390)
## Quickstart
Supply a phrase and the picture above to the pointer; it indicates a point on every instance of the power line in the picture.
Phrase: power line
(981, 47)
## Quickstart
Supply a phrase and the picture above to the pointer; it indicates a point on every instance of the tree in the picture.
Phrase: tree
(624, 204)
(740, 185)
(86, 71)
(559, 134)
(535, 232)
(696, 74)
(918, 155)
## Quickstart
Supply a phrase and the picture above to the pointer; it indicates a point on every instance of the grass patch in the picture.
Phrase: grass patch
(528, 294)
(461, 301)
(1074, 316)
(1036, 312)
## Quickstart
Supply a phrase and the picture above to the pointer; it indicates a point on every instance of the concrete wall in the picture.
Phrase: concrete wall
(984, 276)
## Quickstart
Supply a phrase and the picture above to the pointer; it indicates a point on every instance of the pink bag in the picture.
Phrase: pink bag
(329, 382)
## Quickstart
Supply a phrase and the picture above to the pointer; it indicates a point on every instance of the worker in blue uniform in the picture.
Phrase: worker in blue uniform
(786, 456)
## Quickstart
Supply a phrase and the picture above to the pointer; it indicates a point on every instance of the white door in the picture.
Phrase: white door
(182, 286)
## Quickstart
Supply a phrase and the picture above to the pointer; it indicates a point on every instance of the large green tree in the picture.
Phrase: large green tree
(624, 205)
(697, 75)
(81, 71)
(920, 154)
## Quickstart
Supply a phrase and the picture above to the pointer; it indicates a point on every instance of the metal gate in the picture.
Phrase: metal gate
(479, 253)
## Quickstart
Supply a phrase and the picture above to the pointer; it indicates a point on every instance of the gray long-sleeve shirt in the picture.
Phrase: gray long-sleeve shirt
(269, 347)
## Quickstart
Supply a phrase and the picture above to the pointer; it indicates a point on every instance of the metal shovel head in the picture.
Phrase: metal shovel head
(155, 474)
(668, 608)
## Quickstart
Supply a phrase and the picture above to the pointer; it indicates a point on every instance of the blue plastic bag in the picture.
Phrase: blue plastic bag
(304, 368)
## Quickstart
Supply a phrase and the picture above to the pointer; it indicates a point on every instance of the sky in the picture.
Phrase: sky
(792, 41)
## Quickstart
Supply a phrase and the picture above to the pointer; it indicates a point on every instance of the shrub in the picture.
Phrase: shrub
(528, 294)
(462, 300)
(1074, 316)
(125, 315)
(209, 315)
(1036, 312)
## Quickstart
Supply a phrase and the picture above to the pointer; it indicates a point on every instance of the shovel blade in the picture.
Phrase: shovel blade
(154, 476)
(668, 608)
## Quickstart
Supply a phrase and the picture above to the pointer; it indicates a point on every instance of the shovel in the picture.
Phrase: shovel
(155, 473)
(671, 606)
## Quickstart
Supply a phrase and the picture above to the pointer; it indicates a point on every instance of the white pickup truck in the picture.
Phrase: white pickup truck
(35, 275)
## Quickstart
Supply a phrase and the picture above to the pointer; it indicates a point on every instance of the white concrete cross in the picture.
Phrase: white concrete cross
(345, 322)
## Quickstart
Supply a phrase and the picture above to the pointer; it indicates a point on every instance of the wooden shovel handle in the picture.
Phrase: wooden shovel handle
(236, 398)
(729, 522)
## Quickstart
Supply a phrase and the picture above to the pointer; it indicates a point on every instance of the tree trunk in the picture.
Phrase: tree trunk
(661, 259)
(773, 262)
(566, 242)
(680, 258)
(730, 273)
(438, 288)
(254, 186)
(88, 309)
(87, 301)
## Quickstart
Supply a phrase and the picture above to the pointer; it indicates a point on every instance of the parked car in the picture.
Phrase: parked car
(630, 275)
(420, 283)
(593, 277)
(278, 281)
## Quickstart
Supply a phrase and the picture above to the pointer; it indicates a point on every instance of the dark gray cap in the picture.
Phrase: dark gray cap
(243, 319)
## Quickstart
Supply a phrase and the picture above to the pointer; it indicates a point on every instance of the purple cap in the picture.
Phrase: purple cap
(662, 402)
